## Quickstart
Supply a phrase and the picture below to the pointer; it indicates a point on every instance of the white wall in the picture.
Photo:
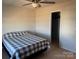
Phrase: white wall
(17, 19)
(67, 23)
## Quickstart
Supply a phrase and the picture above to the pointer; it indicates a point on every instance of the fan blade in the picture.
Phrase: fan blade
(30, 0)
(26, 4)
(47, 2)
(36, 1)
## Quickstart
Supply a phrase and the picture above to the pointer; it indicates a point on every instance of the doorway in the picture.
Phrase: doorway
(55, 25)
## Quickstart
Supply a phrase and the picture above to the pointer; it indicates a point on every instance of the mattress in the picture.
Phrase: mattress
(20, 46)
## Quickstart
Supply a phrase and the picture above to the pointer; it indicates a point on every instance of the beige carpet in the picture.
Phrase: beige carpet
(53, 53)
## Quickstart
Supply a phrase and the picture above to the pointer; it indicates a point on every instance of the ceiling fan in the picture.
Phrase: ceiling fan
(37, 3)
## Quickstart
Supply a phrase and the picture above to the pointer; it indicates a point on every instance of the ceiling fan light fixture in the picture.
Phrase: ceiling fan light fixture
(34, 5)
(37, 3)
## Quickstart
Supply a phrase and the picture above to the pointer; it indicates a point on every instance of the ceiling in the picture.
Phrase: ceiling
(21, 2)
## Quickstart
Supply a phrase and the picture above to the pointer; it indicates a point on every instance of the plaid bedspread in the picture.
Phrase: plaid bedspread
(22, 44)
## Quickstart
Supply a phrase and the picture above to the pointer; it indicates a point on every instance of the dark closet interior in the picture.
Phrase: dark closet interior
(55, 25)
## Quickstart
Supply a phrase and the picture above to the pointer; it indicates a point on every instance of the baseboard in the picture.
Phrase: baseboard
(69, 50)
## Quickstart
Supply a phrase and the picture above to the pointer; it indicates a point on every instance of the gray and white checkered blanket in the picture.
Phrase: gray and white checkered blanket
(22, 44)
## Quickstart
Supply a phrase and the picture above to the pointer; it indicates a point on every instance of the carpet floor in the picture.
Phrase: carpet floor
(52, 53)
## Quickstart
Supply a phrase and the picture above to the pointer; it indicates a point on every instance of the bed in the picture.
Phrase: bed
(22, 44)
